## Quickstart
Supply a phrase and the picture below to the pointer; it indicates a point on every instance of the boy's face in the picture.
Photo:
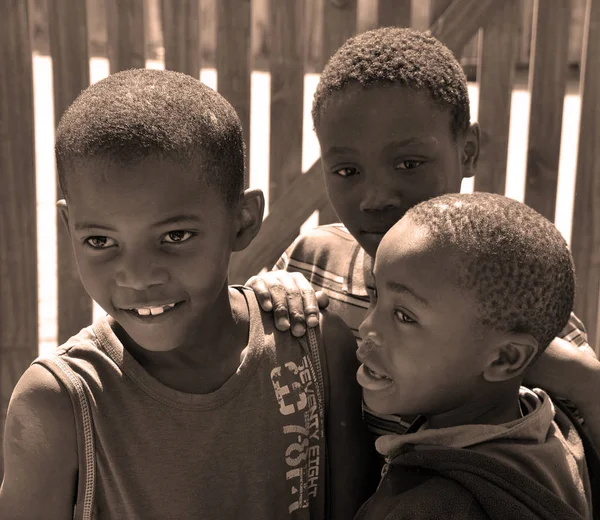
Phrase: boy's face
(384, 149)
(152, 244)
(422, 350)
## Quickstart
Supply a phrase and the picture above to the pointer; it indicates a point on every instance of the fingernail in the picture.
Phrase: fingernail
(284, 324)
(312, 321)
(268, 305)
(298, 330)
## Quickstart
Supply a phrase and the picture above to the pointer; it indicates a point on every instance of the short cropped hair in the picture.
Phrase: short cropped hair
(515, 260)
(140, 113)
(402, 56)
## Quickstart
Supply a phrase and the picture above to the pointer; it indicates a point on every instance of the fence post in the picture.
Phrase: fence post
(547, 85)
(339, 24)
(67, 26)
(125, 29)
(585, 241)
(18, 235)
(496, 70)
(234, 59)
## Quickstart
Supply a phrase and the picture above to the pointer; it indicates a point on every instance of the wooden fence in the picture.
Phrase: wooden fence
(293, 195)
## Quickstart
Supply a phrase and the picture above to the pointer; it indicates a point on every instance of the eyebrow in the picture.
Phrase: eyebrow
(401, 288)
(339, 150)
(171, 220)
(427, 141)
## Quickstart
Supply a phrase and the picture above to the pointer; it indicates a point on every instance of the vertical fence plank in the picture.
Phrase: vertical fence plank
(339, 24)
(547, 85)
(233, 58)
(287, 88)
(585, 241)
(125, 30)
(394, 12)
(496, 69)
(18, 251)
(67, 27)
(181, 35)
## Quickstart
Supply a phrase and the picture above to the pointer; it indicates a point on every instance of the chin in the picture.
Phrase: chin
(382, 406)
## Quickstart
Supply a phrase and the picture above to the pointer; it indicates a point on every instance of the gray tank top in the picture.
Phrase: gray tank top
(253, 449)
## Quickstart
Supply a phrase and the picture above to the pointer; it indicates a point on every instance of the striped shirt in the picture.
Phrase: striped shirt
(333, 261)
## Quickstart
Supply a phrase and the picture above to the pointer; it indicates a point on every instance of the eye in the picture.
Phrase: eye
(403, 317)
(99, 242)
(349, 171)
(177, 237)
(409, 164)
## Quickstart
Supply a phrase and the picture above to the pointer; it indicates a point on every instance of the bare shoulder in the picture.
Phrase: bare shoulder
(40, 449)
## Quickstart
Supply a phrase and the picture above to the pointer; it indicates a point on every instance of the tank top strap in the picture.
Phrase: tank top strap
(86, 479)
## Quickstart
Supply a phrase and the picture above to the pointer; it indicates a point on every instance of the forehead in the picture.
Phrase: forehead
(143, 188)
(396, 110)
(409, 253)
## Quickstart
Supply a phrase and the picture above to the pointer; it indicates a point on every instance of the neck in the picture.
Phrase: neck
(210, 357)
(498, 407)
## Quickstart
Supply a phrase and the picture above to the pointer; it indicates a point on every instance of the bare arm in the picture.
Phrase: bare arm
(40, 450)
(353, 462)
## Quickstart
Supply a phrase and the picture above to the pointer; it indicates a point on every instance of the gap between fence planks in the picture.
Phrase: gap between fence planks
(547, 84)
(496, 70)
(181, 35)
(234, 63)
(67, 27)
(18, 236)
(585, 241)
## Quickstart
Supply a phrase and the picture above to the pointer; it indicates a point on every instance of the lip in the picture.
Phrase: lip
(370, 383)
(363, 358)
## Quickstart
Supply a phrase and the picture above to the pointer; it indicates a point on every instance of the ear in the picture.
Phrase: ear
(250, 217)
(470, 150)
(63, 211)
(509, 359)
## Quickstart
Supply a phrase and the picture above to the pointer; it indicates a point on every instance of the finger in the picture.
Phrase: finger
(310, 306)
(257, 284)
(322, 299)
(295, 302)
(280, 305)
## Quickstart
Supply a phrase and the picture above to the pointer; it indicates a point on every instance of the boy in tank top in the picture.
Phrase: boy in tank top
(184, 401)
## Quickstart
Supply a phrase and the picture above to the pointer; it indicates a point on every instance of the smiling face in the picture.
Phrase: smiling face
(423, 351)
(385, 148)
(152, 245)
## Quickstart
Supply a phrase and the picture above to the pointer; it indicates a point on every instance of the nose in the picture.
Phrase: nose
(367, 333)
(140, 271)
(379, 197)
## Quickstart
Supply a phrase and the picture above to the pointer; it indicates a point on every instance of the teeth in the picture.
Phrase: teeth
(154, 311)
(375, 374)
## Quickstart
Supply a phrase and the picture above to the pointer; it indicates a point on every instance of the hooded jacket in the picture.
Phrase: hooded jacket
(531, 468)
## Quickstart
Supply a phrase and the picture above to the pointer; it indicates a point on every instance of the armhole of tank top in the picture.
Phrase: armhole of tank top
(86, 479)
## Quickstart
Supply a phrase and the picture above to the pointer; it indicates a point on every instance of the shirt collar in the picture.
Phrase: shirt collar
(533, 428)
